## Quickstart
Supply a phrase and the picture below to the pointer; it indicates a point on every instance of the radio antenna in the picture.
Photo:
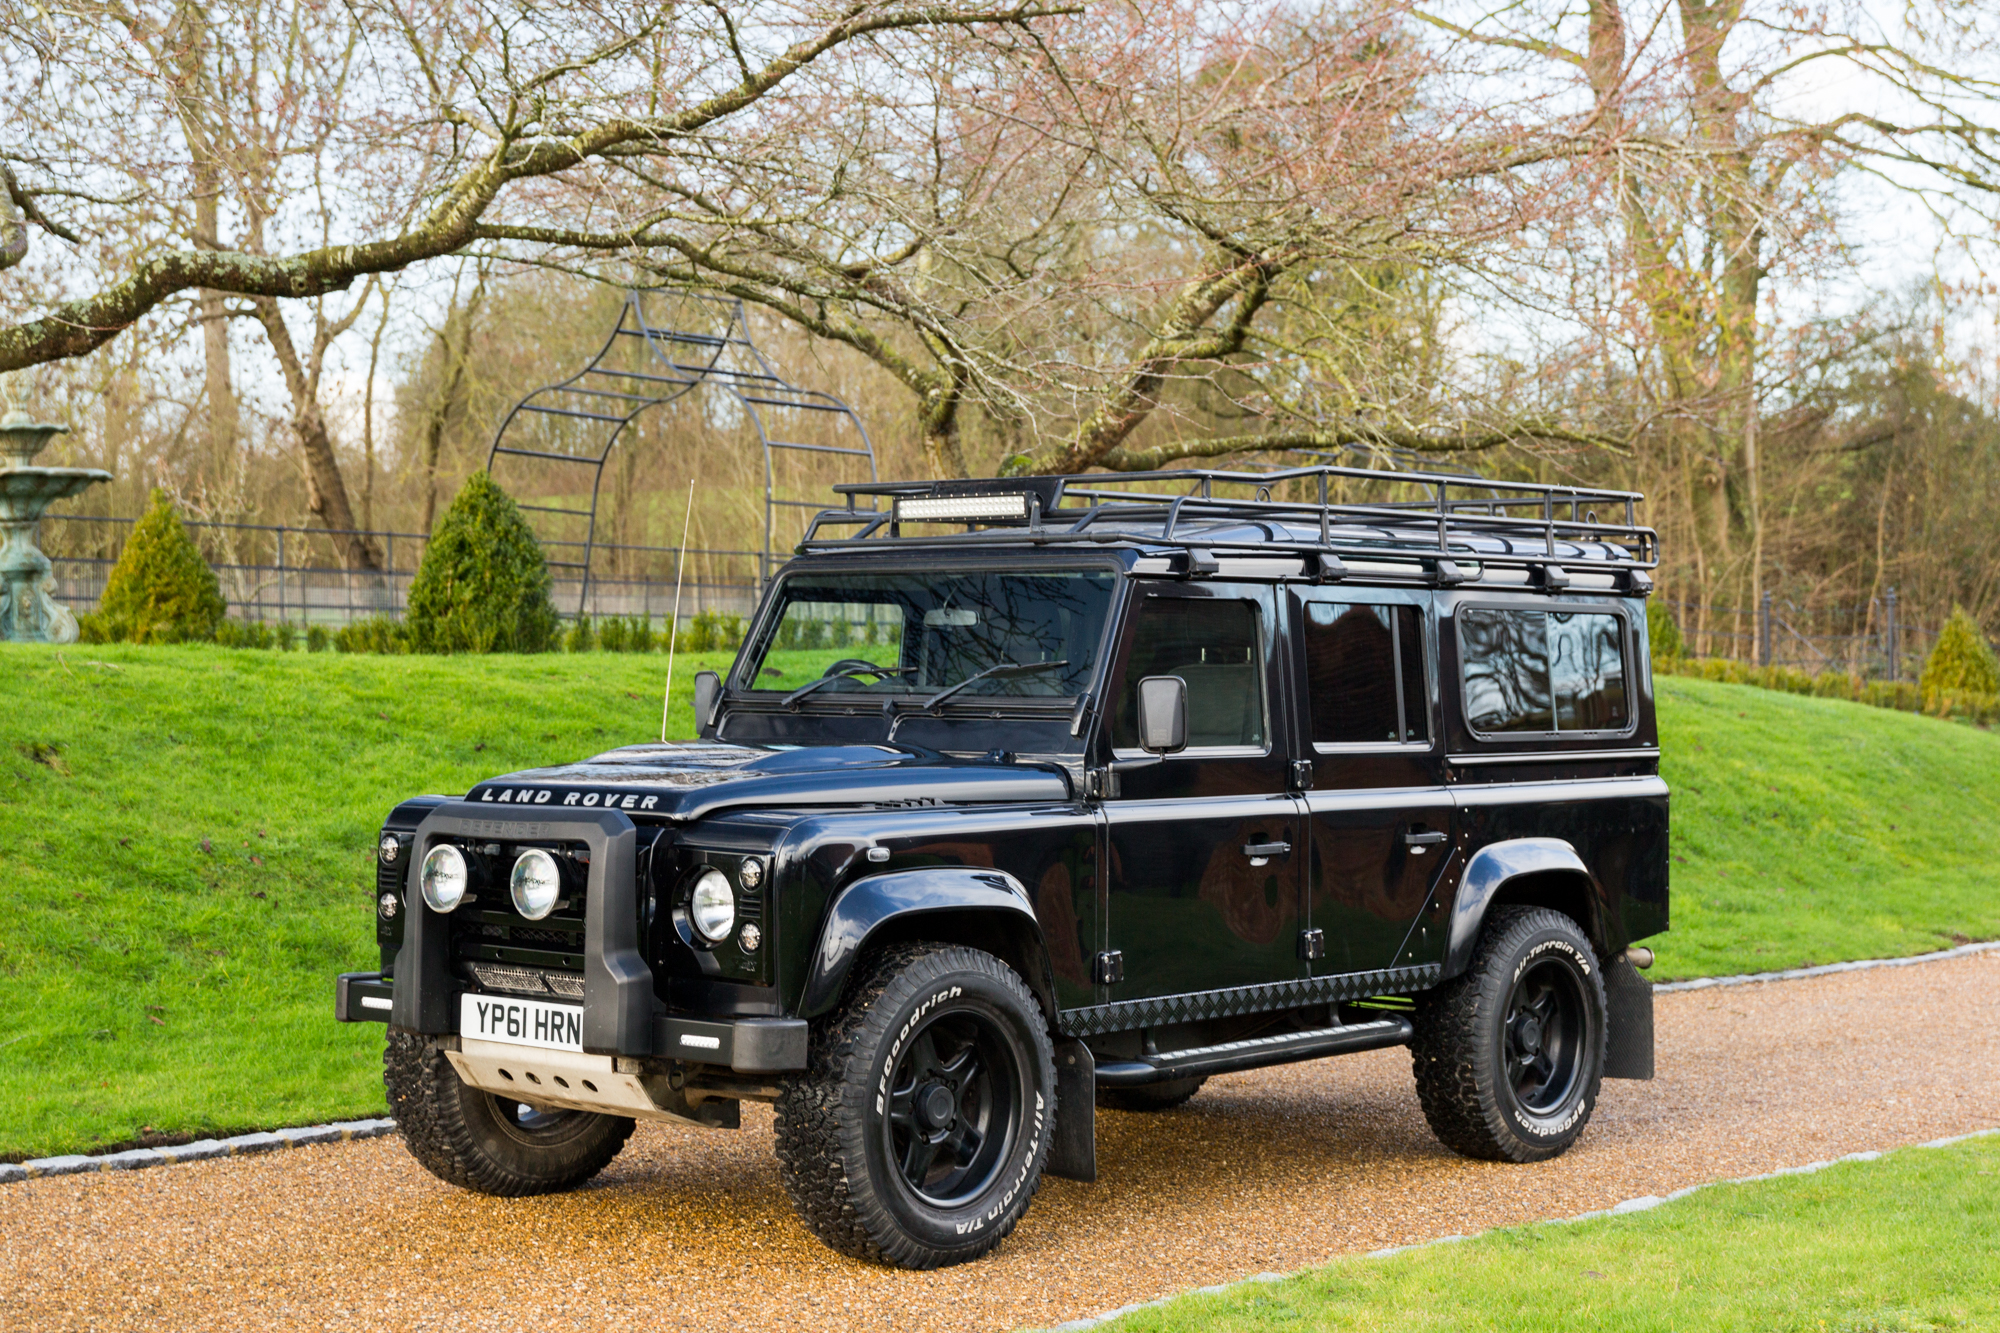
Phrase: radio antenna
(674, 625)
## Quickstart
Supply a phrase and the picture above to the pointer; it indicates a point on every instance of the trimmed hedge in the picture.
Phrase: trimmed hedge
(1982, 709)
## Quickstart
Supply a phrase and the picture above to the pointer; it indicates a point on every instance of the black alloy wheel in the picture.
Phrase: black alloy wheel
(917, 1135)
(1545, 1037)
(1509, 1056)
(952, 1113)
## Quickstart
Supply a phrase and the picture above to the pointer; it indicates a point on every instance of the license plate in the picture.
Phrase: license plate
(521, 1022)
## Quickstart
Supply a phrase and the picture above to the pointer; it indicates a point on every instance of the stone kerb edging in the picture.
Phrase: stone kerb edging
(1826, 969)
(1638, 1205)
(248, 1144)
(201, 1150)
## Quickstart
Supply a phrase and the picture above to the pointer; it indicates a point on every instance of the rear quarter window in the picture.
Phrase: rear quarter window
(1533, 671)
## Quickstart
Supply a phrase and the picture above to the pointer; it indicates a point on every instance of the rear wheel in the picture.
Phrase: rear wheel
(1151, 1096)
(917, 1135)
(1509, 1057)
(478, 1141)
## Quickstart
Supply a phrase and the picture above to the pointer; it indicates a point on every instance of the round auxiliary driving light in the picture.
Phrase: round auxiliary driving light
(390, 848)
(712, 907)
(535, 884)
(445, 877)
(750, 874)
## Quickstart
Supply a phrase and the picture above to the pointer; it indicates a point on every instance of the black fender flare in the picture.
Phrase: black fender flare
(1489, 871)
(897, 902)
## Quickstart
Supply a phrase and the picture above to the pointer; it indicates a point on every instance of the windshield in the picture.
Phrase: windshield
(916, 634)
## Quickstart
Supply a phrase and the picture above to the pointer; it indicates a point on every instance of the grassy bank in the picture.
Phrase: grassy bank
(1902, 1243)
(1816, 830)
(189, 833)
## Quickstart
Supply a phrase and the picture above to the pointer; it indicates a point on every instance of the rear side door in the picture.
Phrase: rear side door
(1378, 813)
(1203, 865)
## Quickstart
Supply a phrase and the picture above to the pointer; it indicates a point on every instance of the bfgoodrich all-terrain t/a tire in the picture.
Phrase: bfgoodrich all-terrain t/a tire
(1509, 1057)
(917, 1134)
(478, 1141)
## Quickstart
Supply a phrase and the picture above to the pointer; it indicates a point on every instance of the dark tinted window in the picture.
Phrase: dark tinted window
(1542, 671)
(1365, 673)
(1587, 669)
(1212, 645)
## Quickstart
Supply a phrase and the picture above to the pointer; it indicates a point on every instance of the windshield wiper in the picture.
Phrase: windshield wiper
(858, 669)
(999, 669)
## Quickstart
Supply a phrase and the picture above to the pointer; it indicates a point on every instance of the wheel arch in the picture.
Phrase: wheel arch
(971, 906)
(1526, 872)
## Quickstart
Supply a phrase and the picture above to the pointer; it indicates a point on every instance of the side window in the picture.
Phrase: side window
(1543, 671)
(1365, 673)
(1213, 646)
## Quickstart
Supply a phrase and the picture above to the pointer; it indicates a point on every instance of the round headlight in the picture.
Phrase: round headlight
(712, 907)
(750, 874)
(445, 877)
(390, 848)
(535, 884)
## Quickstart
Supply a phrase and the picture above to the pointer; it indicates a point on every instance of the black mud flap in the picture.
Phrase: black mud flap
(1073, 1145)
(1628, 1014)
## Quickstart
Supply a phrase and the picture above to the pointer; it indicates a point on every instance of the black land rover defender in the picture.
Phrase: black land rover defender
(1028, 797)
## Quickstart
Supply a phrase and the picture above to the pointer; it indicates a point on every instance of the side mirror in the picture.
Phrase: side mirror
(707, 694)
(1162, 714)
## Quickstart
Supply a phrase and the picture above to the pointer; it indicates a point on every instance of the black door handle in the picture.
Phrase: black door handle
(1258, 851)
(1418, 841)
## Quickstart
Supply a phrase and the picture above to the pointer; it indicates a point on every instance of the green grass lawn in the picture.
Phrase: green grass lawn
(1906, 1242)
(153, 984)
(1814, 830)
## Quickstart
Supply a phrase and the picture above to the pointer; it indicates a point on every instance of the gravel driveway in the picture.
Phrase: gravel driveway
(1272, 1170)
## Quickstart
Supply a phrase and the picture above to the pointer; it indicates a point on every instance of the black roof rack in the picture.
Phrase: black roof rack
(1446, 521)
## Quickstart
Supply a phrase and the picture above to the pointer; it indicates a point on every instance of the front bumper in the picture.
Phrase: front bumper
(746, 1045)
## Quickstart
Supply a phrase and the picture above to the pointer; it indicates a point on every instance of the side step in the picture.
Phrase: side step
(1284, 1048)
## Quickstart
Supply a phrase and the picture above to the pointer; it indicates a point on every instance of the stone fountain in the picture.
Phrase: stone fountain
(27, 613)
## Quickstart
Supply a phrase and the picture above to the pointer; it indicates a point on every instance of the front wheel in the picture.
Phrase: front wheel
(1509, 1057)
(917, 1135)
(478, 1141)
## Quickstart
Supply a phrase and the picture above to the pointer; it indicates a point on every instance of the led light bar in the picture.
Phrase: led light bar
(948, 508)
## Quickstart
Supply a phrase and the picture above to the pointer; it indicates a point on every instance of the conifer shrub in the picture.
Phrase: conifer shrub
(581, 637)
(318, 640)
(161, 590)
(611, 634)
(483, 584)
(1961, 662)
(1663, 636)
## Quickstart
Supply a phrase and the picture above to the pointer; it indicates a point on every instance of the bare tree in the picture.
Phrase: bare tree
(281, 150)
(1717, 148)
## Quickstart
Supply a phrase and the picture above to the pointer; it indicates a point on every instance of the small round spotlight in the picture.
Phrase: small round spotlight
(535, 884)
(445, 877)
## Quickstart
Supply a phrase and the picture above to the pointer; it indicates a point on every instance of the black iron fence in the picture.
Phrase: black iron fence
(272, 572)
(1871, 640)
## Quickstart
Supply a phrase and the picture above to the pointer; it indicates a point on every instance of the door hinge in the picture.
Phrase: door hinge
(1100, 784)
(1302, 774)
(1312, 944)
(1109, 968)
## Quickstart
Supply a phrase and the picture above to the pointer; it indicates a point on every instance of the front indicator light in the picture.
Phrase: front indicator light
(387, 905)
(750, 938)
(712, 906)
(389, 848)
(445, 877)
(535, 884)
(750, 874)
